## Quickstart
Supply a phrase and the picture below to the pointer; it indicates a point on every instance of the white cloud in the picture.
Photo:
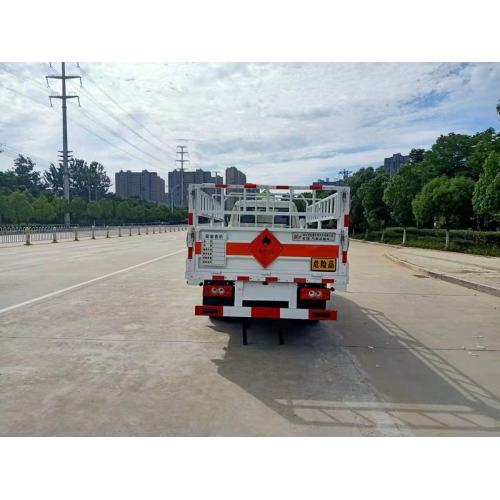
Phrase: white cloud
(274, 121)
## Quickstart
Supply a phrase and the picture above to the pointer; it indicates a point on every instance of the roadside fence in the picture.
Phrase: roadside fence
(28, 235)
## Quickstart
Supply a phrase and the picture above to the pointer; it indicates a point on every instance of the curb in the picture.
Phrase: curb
(445, 277)
(378, 243)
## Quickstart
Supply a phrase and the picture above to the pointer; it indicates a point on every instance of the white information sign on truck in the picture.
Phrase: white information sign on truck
(262, 251)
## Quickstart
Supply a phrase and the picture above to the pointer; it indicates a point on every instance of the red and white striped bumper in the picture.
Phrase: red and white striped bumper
(265, 312)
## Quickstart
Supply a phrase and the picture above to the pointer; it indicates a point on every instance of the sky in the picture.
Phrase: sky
(280, 123)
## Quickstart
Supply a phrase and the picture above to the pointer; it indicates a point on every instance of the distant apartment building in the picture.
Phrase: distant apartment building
(146, 185)
(328, 182)
(179, 180)
(234, 177)
(394, 163)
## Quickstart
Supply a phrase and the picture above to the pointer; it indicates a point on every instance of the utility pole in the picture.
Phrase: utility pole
(181, 150)
(217, 172)
(64, 97)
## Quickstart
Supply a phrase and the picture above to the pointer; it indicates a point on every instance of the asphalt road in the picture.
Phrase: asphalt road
(99, 338)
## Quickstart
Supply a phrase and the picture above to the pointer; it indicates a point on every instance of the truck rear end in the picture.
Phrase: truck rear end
(261, 251)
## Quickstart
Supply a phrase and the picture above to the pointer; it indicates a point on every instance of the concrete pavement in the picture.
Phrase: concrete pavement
(472, 271)
(124, 355)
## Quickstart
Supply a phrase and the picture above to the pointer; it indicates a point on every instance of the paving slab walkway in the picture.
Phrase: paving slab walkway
(472, 271)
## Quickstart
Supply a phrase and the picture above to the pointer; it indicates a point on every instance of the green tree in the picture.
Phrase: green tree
(447, 199)
(485, 143)
(107, 210)
(20, 207)
(400, 192)
(138, 212)
(26, 175)
(54, 179)
(43, 210)
(124, 211)
(376, 211)
(486, 198)
(448, 155)
(88, 181)
(8, 181)
(78, 209)
(5, 212)
(357, 211)
(61, 207)
(416, 155)
(94, 211)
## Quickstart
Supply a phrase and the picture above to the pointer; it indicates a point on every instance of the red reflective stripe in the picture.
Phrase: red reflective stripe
(299, 280)
(289, 250)
(327, 280)
(218, 277)
(190, 253)
(282, 187)
(209, 310)
(316, 187)
(266, 312)
(198, 247)
(346, 220)
(190, 218)
(249, 185)
(221, 185)
(227, 290)
(271, 279)
(243, 278)
(322, 314)
(324, 293)
(344, 257)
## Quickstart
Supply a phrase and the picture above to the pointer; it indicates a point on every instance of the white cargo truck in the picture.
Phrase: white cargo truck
(262, 251)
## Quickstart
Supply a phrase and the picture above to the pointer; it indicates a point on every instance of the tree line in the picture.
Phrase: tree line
(454, 184)
(28, 196)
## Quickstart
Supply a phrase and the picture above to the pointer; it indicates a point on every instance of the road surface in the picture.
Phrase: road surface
(99, 338)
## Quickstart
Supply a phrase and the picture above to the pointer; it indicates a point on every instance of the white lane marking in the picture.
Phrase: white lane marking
(83, 283)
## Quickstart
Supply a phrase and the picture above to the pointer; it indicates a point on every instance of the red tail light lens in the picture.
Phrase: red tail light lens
(314, 294)
(217, 290)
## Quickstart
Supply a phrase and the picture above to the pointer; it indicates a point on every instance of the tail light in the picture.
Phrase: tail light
(314, 294)
(217, 290)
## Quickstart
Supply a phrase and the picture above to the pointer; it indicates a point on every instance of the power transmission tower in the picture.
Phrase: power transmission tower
(181, 150)
(64, 97)
(345, 174)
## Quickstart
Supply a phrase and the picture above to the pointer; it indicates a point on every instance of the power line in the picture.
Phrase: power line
(110, 114)
(118, 136)
(95, 134)
(73, 120)
(8, 151)
(132, 117)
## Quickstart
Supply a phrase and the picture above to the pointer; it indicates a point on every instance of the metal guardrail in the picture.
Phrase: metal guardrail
(31, 234)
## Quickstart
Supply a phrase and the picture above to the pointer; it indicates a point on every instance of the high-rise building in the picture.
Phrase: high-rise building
(179, 180)
(234, 177)
(146, 185)
(394, 163)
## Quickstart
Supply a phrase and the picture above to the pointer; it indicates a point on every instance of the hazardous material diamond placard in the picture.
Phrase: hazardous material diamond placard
(266, 248)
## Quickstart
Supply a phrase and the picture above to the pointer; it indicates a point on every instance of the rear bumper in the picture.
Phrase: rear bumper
(265, 312)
